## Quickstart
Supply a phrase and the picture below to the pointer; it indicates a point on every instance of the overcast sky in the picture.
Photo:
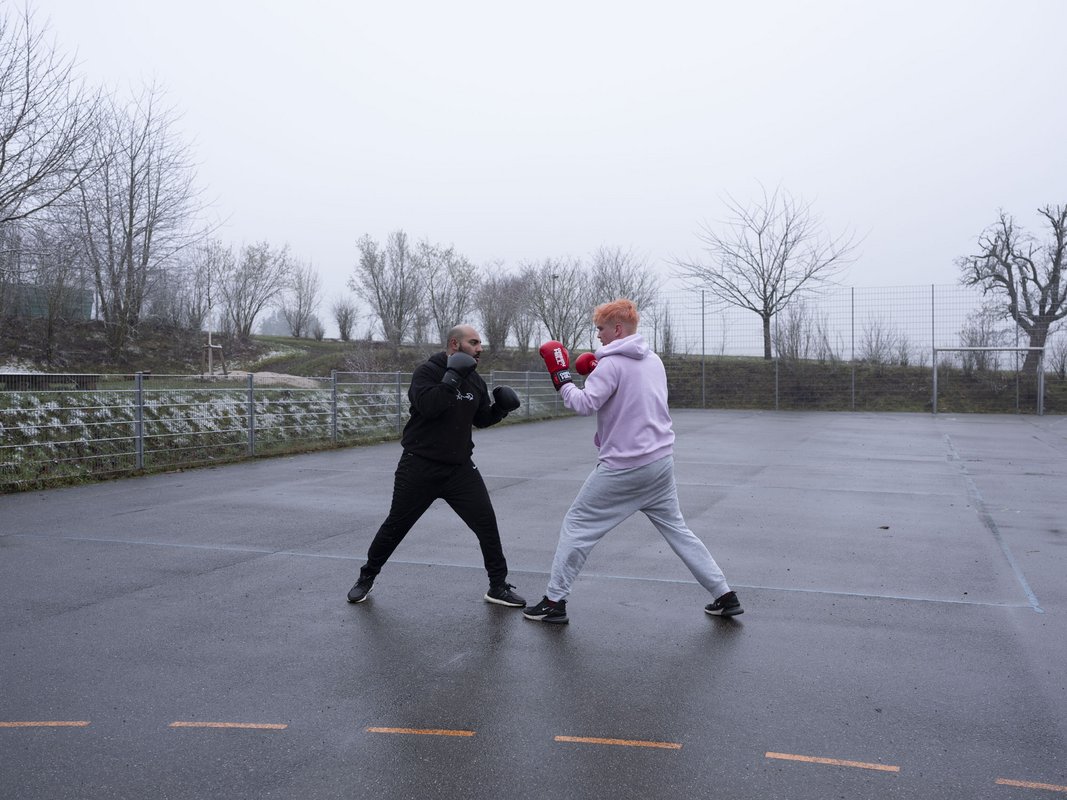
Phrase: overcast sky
(520, 131)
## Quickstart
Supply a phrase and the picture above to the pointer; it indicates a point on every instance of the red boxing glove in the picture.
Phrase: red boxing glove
(585, 363)
(557, 362)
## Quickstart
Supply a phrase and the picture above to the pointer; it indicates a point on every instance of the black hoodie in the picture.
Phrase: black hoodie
(441, 417)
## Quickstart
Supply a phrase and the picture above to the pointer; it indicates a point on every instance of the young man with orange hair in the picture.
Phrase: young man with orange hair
(626, 388)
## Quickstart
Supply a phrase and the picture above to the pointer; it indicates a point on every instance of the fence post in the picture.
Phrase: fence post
(703, 356)
(1041, 384)
(139, 425)
(933, 400)
(333, 406)
(399, 412)
(527, 394)
(251, 418)
(852, 365)
(776, 391)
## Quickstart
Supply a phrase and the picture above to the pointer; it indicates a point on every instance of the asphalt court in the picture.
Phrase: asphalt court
(186, 635)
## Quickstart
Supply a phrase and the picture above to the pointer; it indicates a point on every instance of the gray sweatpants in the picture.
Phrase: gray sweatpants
(610, 496)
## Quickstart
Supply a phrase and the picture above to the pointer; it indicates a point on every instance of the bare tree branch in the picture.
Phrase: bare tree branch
(560, 294)
(138, 208)
(302, 299)
(771, 252)
(497, 303)
(619, 273)
(450, 281)
(47, 121)
(344, 314)
(391, 283)
(260, 275)
(1027, 276)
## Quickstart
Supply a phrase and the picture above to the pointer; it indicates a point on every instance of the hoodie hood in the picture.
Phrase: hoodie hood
(633, 346)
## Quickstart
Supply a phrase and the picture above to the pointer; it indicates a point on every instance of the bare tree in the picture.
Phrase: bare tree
(560, 295)
(983, 328)
(497, 303)
(12, 268)
(260, 275)
(1027, 276)
(1056, 357)
(880, 342)
(137, 209)
(211, 261)
(664, 341)
(800, 334)
(903, 349)
(794, 333)
(619, 273)
(344, 314)
(392, 284)
(57, 288)
(47, 120)
(450, 280)
(525, 321)
(301, 299)
(771, 252)
(185, 291)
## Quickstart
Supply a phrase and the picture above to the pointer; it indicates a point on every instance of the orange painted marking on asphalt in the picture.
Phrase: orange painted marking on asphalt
(255, 726)
(52, 724)
(421, 731)
(835, 762)
(619, 742)
(1031, 785)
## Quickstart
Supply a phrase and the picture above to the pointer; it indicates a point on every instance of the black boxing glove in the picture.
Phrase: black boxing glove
(505, 397)
(459, 366)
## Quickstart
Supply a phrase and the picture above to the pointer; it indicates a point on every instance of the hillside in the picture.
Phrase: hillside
(82, 348)
(728, 382)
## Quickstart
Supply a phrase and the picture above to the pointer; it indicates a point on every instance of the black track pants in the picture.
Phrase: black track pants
(417, 483)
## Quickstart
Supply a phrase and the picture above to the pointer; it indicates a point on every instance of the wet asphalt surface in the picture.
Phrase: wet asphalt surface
(904, 579)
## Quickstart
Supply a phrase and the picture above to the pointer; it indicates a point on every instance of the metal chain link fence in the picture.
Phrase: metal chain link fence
(855, 349)
(849, 349)
(62, 428)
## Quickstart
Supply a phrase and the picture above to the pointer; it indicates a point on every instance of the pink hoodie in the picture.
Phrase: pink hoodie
(628, 393)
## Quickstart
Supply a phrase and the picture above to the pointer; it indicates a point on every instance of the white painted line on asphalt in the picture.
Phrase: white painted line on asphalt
(520, 571)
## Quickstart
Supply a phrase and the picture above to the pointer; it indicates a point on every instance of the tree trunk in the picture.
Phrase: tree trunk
(766, 336)
(1038, 336)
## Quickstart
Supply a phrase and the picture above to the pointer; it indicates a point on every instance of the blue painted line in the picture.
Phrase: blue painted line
(991, 525)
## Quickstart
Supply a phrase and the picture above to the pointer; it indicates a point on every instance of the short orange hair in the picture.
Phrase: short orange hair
(623, 312)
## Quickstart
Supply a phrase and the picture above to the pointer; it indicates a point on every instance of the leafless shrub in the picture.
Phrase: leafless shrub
(344, 314)
(983, 328)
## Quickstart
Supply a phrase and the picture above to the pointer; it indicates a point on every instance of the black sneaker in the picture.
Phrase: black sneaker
(503, 596)
(548, 611)
(359, 592)
(726, 606)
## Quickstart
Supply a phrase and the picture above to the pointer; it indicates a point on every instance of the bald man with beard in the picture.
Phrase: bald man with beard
(448, 398)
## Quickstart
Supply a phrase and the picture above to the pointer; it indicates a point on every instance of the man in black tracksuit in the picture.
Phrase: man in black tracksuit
(447, 397)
